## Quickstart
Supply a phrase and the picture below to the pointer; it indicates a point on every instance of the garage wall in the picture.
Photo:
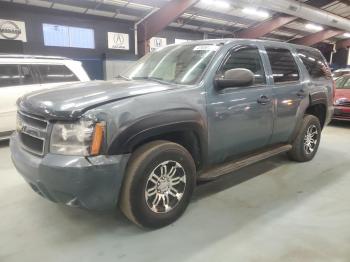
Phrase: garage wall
(101, 62)
(92, 58)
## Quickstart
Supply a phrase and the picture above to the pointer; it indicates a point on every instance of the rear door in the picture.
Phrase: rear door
(289, 91)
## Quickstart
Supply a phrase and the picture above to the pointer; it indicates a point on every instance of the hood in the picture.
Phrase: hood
(69, 102)
(342, 93)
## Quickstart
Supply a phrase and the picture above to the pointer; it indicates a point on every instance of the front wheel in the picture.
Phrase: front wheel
(307, 141)
(159, 182)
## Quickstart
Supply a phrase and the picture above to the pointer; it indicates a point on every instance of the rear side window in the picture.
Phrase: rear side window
(56, 74)
(27, 75)
(247, 57)
(314, 63)
(283, 65)
(9, 75)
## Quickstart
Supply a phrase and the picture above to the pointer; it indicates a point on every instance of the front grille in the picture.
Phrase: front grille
(339, 112)
(32, 144)
(347, 104)
(32, 132)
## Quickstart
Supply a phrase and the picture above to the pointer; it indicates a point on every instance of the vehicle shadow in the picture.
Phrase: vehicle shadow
(4, 143)
(276, 165)
(340, 124)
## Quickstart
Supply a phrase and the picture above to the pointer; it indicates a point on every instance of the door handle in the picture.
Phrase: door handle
(263, 100)
(301, 93)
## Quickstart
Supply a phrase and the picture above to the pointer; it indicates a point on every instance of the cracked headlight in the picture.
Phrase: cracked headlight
(82, 138)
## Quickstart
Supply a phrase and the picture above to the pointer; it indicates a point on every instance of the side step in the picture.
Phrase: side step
(223, 169)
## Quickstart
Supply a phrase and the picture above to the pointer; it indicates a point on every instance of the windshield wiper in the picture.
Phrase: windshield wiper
(123, 77)
(148, 78)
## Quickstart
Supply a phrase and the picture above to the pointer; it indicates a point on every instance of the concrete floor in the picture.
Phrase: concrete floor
(275, 210)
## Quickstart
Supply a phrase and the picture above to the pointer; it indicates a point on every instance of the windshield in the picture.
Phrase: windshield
(180, 64)
(343, 83)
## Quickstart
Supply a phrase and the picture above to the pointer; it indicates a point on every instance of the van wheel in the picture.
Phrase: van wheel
(306, 143)
(158, 185)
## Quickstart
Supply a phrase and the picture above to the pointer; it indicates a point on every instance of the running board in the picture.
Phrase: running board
(229, 167)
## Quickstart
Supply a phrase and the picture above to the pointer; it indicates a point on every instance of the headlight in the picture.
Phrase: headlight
(340, 101)
(81, 138)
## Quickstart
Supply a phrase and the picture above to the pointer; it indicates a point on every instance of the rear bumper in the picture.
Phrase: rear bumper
(91, 183)
(341, 113)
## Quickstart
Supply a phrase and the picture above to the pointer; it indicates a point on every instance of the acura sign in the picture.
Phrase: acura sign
(12, 30)
(118, 41)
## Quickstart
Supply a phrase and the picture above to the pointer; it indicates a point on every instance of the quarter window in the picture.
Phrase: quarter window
(9, 75)
(56, 74)
(283, 65)
(314, 63)
(247, 57)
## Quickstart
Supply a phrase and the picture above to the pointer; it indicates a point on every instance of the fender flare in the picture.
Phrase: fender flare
(314, 99)
(157, 124)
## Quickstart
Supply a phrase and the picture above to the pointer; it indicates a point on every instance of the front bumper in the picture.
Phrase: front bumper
(91, 183)
(341, 113)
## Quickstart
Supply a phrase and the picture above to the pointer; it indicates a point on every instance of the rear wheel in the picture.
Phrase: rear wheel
(159, 182)
(307, 141)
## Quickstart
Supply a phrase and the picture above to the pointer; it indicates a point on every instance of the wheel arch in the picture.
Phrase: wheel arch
(318, 107)
(185, 127)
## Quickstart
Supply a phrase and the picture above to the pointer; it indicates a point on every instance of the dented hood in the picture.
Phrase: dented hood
(69, 102)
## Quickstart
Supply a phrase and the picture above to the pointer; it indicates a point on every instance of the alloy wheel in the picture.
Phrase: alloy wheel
(165, 186)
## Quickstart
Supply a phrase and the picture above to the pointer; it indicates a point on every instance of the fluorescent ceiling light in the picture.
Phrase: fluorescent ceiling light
(346, 34)
(314, 27)
(217, 3)
(255, 12)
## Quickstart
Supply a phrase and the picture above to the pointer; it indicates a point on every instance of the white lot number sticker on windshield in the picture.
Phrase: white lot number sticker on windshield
(206, 48)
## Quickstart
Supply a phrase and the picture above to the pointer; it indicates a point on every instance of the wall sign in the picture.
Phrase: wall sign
(118, 41)
(156, 42)
(13, 30)
(179, 40)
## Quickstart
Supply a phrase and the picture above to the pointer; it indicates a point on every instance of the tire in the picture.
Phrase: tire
(167, 200)
(301, 150)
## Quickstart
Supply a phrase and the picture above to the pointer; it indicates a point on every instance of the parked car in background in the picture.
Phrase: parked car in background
(185, 113)
(21, 74)
(342, 98)
(340, 72)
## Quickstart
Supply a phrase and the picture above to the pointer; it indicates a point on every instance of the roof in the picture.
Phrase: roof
(12, 56)
(231, 40)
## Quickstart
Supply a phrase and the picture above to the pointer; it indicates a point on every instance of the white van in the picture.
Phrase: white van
(21, 74)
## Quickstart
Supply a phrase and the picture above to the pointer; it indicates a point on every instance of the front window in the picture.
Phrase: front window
(180, 64)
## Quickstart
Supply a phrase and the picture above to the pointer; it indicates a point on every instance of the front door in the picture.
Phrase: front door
(240, 118)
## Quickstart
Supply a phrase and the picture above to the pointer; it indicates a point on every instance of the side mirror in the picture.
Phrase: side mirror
(237, 77)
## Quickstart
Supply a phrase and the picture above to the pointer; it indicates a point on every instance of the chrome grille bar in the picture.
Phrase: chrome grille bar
(32, 132)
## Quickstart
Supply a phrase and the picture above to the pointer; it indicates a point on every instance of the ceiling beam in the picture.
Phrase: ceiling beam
(159, 20)
(345, 43)
(315, 38)
(318, 3)
(265, 27)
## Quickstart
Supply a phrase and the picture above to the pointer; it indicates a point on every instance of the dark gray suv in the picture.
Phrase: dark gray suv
(183, 114)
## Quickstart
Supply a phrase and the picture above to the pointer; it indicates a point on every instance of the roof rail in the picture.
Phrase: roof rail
(33, 56)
